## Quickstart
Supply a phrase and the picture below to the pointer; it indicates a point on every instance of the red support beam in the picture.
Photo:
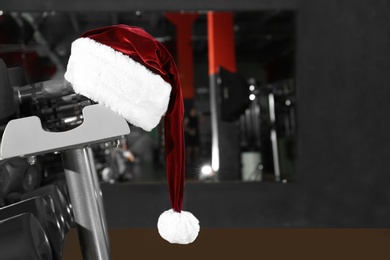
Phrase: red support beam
(185, 60)
(221, 41)
(221, 52)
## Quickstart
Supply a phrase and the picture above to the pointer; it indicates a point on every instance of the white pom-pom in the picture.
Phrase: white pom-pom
(178, 228)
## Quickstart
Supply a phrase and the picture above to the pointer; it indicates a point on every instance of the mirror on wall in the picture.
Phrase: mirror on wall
(260, 107)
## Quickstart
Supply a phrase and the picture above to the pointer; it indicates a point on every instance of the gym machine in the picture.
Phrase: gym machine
(42, 120)
(268, 126)
(266, 117)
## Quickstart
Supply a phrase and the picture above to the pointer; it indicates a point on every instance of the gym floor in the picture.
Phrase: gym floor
(245, 244)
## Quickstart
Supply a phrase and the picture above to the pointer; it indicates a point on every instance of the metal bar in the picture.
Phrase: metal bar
(86, 199)
(274, 137)
(99, 199)
(214, 123)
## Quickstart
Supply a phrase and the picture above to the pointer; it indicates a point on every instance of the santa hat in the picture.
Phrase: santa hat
(127, 70)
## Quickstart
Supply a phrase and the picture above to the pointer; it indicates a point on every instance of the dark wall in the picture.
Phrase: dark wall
(343, 164)
(343, 65)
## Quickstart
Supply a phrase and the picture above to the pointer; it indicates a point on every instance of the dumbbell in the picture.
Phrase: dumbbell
(62, 186)
(22, 237)
(57, 200)
(18, 77)
(43, 212)
(54, 101)
(17, 175)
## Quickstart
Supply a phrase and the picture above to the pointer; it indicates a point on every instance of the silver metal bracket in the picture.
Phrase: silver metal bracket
(25, 137)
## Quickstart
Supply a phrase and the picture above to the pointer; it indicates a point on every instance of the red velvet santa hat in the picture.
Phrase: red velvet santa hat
(127, 70)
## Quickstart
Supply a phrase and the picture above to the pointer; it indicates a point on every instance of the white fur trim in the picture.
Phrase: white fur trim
(178, 228)
(115, 80)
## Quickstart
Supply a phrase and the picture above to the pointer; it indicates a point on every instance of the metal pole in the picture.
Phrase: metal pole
(87, 203)
(214, 123)
(274, 137)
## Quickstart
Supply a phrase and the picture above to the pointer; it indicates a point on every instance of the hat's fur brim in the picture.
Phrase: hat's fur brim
(115, 80)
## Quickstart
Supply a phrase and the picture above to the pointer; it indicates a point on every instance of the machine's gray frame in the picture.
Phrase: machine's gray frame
(24, 137)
